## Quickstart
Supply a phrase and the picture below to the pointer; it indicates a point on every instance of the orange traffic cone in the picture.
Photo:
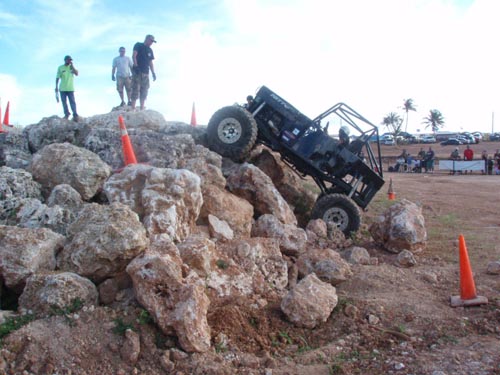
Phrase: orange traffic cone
(193, 117)
(6, 116)
(390, 193)
(468, 296)
(128, 151)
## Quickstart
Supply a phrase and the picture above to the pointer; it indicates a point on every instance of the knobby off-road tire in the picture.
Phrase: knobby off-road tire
(232, 132)
(339, 209)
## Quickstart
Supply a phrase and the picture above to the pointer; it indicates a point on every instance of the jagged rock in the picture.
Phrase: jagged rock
(55, 130)
(65, 196)
(24, 252)
(102, 241)
(15, 185)
(327, 264)
(236, 211)
(198, 253)
(291, 238)
(249, 266)
(250, 183)
(400, 227)
(81, 169)
(310, 303)
(287, 182)
(219, 229)
(167, 200)
(493, 268)
(14, 152)
(406, 259)
(109, 288)
(45, 293)
(356, 255)
(317, 227)
(174, 303)
(34, 214)
(131, 348)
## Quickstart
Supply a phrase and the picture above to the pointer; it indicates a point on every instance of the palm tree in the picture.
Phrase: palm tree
(408, 106)
(434, 120)
(393, 122)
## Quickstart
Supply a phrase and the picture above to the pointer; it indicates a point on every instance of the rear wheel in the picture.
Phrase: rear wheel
(339, 209)
(232, 132)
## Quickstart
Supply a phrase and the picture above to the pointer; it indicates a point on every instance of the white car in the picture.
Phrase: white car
(428, 139)
(388, 140)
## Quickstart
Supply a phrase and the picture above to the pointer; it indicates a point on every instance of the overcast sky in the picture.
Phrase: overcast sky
(372, 55)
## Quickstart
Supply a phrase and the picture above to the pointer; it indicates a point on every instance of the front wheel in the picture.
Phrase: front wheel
(232, 132)
(339, 209)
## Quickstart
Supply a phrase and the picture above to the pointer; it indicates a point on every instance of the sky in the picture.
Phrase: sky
(372, 55)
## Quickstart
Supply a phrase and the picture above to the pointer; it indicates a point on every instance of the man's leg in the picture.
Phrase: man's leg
(64, 96)
(144, 89)
(128, 84)
(136, 86)
(72, 103)
(120, 82)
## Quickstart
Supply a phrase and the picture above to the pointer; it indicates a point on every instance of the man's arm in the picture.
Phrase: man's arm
(113, 73)
(134, 57)
(152, 67)
(73, 69)
(57, 83)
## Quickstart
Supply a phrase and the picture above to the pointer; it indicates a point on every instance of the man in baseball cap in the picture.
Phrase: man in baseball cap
(142, 59)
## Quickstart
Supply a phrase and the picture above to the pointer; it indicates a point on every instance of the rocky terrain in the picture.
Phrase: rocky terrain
(187, 263)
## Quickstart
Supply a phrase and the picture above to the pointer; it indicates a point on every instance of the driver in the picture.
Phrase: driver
(344, 135)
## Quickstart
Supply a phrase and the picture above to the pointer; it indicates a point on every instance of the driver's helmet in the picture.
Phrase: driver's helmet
(344, 134)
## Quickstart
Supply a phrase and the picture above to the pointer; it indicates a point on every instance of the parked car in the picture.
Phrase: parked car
(388, 140)
(478, 136)
(451, 141)
(466, 138)
(428, 139)
(495, 137)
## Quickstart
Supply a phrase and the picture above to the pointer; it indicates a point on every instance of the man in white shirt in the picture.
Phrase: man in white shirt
(122, 66)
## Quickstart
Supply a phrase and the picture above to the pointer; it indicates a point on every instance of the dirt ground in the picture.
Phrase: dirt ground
(389, 320)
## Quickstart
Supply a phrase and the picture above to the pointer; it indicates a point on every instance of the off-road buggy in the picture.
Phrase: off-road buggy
(347, 170)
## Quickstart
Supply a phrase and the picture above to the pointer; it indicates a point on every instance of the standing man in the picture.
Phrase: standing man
(143, 61)
(468, 155)
(65, 73)
(122, 65)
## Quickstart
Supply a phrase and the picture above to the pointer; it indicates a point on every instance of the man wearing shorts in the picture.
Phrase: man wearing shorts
(143, 61)
(122, 66)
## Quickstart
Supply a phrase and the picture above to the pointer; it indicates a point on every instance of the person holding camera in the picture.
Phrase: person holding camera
(65, 74)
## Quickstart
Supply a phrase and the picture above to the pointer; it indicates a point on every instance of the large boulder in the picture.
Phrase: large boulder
(34, 214)
(176, 304)
(288, 183)
(310, 302)
(326, 264)
(400, 227)
(47, 293)
(291, 238)
(236, 211)
(63, 163)
(167, 200)
(250, 183)
(15, 186)
(14, 152)
(102, 241)
(24, 252)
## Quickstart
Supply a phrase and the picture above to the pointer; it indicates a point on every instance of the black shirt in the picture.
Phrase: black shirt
(144, 56)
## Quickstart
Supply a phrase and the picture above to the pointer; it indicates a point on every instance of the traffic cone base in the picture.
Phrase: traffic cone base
(457, 301)
(468, 296)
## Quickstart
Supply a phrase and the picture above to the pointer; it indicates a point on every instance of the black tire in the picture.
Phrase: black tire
(232, 132)
(340, 209)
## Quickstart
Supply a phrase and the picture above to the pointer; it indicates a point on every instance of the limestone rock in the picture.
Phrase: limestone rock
(249, 182)
(14, 151)
(63, 163)
(236, 211)
(46, 292)
(310, 303)
(167, 200)
(15, 185)
(24, 252)
(102, 241)
(327, 264)
(219, 229)
(176, 304)
(400, 227)
(356, 255)
(291, 238)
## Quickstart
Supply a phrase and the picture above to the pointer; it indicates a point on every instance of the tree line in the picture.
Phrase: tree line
(394, 122)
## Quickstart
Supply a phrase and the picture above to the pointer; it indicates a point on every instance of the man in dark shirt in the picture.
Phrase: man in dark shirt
(143, 62)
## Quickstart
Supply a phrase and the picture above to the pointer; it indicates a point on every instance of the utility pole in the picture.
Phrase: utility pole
(492, 122)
